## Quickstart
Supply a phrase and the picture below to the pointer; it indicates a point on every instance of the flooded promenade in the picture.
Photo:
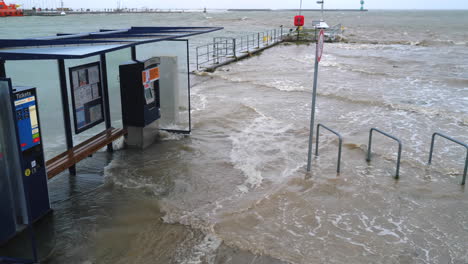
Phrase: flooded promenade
(236, 189)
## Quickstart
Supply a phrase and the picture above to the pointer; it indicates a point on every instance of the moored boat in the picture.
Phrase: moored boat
(9, 10)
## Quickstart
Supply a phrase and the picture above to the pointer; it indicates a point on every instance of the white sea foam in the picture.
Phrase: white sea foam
(167, 136)
(261, 147)
(205, 252)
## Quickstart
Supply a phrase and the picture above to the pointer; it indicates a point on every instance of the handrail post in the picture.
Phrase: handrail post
(400, 146)
(281, 29)
(214, 50)
(234, 47)
(258, 40)
(196, 49)
(217, 52)
(466, 169)
(340, 144)
(432, 148)
(455, 141)
(208, 53)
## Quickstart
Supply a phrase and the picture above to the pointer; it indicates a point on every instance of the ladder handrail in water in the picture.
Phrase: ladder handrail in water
(339, 147)
(455, 141)
(392, 137)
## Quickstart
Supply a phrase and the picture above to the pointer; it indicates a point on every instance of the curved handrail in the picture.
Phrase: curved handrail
(455, 141)
(392, 137)
(339, 147)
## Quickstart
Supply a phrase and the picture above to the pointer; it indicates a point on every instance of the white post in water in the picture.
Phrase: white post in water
(318, 57)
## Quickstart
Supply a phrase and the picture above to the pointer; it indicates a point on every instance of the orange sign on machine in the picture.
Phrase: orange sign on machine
(151, 75)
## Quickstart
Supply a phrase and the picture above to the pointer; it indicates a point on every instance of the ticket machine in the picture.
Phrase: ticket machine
(23, 180)
(139, 86)
(141, 101)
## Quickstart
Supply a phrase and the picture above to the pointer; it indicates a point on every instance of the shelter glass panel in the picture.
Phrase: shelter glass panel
(174, 82)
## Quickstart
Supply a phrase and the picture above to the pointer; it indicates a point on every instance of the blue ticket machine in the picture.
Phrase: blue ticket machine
(24, 195)
(140, 93)
(141, 101)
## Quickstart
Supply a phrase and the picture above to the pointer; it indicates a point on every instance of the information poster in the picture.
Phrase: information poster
(88, 107)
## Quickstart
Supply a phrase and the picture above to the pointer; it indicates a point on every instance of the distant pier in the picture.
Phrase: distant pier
(297, 10)
(56, 12)
(100, 12)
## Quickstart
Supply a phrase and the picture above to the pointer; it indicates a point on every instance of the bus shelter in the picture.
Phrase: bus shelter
(85, 90)
(64, 47)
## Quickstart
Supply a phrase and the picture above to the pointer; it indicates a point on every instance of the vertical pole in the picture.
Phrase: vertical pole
(214, 50)
(338, 169)
(432, 148)
(105, 89)
(189, 87)
(466, 170)
(234, 47)
(247, 43)
(197, 57)
(2, 69)
(312, 117)
(217, 53)
(134, 54)
(281, 29)
(274, 36)
(66, 109)
(369, 148)
(258, 40)
(317, 140)
(397, 176)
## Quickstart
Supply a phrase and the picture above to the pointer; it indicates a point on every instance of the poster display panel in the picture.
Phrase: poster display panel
(88, 106)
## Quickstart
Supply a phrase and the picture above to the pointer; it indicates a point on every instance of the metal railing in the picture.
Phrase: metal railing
(223, 49)
(369, 151)
(340, 144)
(392, 137)
(455, 141)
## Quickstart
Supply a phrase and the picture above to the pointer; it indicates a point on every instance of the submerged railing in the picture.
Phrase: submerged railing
(340, 144)
(455, 141)
(223, 49)
(389, 136)
(369, 151)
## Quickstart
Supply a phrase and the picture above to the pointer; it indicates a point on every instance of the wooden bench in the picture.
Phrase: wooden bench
(78, 153)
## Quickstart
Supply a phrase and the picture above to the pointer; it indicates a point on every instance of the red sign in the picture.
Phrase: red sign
(320, 41)
(299, 21)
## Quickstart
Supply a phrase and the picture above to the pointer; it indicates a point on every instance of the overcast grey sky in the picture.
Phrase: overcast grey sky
(273, 4)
